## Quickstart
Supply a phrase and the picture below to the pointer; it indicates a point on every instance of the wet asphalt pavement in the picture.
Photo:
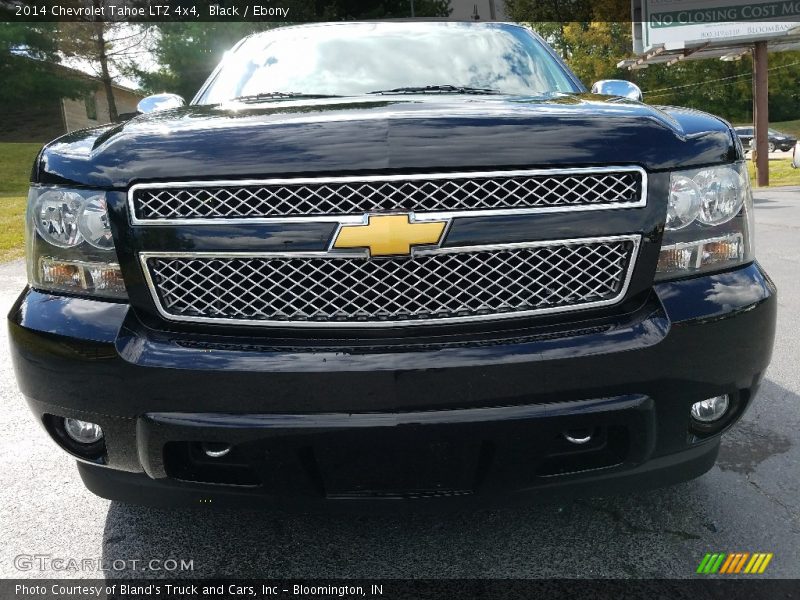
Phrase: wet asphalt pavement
(750, 501)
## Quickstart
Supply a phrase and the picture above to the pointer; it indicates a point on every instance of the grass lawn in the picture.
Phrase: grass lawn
(792, 127)
(780, 170)
(12, 211)
(780, 173)
(15, 171)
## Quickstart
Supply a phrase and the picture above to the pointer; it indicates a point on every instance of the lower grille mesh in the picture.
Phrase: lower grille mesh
(425, 286)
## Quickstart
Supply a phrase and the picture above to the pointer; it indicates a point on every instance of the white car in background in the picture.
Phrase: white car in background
(796, 156)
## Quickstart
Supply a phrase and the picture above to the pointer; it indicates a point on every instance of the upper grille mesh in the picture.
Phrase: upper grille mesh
(422, 287)
(332, 197)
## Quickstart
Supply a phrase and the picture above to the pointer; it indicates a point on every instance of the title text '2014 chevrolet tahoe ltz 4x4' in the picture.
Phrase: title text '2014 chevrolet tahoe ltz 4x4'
(409, 260)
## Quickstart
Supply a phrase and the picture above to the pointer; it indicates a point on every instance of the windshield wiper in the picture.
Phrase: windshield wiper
(278, 96)
(438, 89)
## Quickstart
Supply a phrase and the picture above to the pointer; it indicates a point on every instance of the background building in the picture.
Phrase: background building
(44, 119)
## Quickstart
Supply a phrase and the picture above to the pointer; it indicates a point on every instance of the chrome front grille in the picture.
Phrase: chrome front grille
(430, 286)
(333, 197)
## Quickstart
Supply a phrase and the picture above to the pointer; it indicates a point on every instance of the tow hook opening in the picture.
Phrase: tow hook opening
(578, 436)
(586, 449)
(210, 462)
(216, 449)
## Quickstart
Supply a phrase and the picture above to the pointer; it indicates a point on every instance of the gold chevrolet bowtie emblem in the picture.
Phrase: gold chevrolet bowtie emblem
(390, 235)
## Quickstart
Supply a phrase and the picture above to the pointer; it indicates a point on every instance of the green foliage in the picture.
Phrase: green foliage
(12, 221)
(382, 9)
(16, 161)
(188, 52)
(725, 88)
(553, 13)
(110, 47)
(792, 127)
(593, 49)
(712, 85)
(15, 171)
(594, 43)
(780, 172)
(25, 51)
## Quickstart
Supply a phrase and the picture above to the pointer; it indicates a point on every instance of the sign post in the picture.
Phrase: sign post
(669, 31)
(761, 112)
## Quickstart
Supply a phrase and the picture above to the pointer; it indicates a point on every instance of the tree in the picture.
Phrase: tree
(593, 47)
(725, 88)
(591, 35)
(188, 52)
(26, 52)
(109, 48)
(596, 47)
(383, 9)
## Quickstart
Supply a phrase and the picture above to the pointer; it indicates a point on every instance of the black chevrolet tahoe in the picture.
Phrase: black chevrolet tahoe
(392, 261)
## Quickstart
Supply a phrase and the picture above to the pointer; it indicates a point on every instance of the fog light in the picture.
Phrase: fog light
(83, 432)
(710, 409)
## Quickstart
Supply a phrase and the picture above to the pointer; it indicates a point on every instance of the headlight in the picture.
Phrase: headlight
(55, 213)
(93, 223)
(684, 202)
(709, 224)
(69, 245)
(722, 191)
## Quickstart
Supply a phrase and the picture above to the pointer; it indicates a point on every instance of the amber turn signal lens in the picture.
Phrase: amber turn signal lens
(721, 251)
(81, 276)
(63, 275)
(691, 256)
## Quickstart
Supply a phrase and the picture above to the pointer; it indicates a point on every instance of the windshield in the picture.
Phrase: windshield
(359, 58)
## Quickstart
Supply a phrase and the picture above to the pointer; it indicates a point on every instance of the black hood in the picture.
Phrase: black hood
(386, 133)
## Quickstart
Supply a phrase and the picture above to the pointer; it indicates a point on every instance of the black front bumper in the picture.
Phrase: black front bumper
(446, 418)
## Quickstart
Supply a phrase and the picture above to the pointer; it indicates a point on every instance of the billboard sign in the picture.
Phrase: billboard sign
(680, 24)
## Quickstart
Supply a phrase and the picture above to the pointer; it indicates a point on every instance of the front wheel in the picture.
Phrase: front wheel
(771, 147)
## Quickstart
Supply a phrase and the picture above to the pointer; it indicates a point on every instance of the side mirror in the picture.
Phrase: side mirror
(617, 87)
(158, 102)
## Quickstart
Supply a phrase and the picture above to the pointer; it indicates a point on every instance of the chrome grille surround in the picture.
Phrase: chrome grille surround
(343, 199)
(347, 289)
